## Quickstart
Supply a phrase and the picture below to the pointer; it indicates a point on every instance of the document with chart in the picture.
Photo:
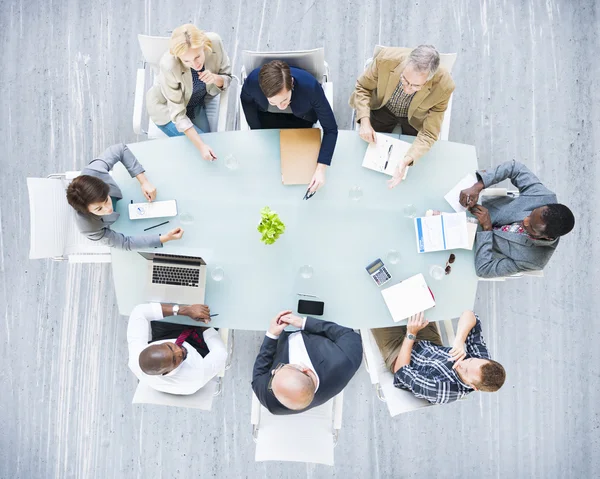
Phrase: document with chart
(442, 232)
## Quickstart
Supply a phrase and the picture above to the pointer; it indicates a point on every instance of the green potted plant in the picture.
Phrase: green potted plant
(270, 226)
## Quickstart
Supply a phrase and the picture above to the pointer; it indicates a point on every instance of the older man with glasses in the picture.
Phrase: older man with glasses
(296, 371)
(403, 87)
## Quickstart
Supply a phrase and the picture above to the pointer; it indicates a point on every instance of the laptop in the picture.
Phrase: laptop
(175, 278)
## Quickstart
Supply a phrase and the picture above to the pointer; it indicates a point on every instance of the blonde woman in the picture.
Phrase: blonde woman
(195, 67)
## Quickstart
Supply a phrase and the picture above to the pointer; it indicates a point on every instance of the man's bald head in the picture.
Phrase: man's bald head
(293, 388)
(161, 358)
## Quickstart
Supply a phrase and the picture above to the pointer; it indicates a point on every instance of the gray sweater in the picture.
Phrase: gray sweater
(498, 253)
(97, 228)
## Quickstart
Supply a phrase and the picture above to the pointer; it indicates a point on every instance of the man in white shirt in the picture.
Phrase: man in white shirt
(178, 360)
(297, 371)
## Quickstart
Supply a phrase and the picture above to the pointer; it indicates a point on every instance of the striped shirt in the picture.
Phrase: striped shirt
(399, 102)
(430, 375)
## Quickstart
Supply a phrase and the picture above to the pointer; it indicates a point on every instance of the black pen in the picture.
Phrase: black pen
(213, 315)
(155, 226)
(388, 158)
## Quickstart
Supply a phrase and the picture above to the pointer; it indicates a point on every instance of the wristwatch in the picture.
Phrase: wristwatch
(175, 309)
(411, 336)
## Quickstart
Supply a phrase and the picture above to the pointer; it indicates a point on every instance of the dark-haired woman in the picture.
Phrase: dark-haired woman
(94, 195)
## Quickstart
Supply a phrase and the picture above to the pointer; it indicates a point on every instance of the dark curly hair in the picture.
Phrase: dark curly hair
(559, 220)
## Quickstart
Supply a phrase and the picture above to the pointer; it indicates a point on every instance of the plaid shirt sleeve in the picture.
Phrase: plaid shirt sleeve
(475, 345)
(436, 392)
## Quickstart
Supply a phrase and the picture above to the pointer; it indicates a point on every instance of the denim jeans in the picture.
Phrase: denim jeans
(200, 122)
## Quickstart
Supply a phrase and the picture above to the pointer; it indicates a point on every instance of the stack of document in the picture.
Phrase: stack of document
(409, 297)
(442, 232)
(385, 154)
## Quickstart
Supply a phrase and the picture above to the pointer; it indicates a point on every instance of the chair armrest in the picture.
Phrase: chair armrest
(255, 412)
(449, 331)
(494, 192)
(138, 102)
(224, 106)
(370, 360)
(338, 409)
(328, 90)
(445, 130)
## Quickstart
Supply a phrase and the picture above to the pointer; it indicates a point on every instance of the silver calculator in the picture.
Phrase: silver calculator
(378, 272)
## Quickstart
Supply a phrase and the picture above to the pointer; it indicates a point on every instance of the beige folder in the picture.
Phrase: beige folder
(299, 149)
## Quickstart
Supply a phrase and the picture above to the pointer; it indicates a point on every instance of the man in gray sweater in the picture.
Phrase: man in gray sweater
(94, 195)
(519, 233)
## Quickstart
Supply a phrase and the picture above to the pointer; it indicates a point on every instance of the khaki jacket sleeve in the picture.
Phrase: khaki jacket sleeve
(171, 90)
(431, 128)
(360, 99)
(224, 69)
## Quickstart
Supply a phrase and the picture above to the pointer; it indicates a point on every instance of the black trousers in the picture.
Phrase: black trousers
(281, 121)
(163, 330)
(384, 121)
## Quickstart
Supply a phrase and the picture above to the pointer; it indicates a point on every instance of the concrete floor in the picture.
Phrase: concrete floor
(525, 90)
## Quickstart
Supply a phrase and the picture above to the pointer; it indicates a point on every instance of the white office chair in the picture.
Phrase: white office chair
(54, 233)
(499, 191)
(201, 399)
(447, 60)
(397, 400)
(313, 61)
(153, 48)
(307, 437)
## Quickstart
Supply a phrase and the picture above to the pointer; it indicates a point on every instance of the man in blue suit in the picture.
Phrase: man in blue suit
(296, 371)
(279, 96)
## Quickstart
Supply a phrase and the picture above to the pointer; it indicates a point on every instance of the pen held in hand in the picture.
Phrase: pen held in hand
(156, 226)
(213, 315)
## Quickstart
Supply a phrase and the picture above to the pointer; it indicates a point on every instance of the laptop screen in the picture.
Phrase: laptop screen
(173, 258)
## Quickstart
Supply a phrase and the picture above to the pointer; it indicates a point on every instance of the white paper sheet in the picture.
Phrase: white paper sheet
(409, 297)
(377, 154)
(442, 232)
(453, 195)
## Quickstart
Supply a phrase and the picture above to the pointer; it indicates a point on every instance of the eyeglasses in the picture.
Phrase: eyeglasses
(278, 368)
(406, 83)
(448, 268)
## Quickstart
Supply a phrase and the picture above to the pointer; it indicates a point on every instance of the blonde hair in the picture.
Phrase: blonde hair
(188, 36)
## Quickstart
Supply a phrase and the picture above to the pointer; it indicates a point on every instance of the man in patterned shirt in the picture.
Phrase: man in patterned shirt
(519, 233)
(421, 364)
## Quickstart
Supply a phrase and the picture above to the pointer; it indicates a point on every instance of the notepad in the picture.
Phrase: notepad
(442, 232)
(453, 195)
(299, 151)
(378, 153)
(156, 209)
(409, 297)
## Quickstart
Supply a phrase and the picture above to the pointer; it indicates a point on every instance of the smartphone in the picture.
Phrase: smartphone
(312, 308)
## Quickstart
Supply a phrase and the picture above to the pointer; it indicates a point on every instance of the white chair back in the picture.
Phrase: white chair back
(305, 437)
(313, 61)
(53, 228)
(201, 399)
(447, 60)
(397, 400)
(153, 48)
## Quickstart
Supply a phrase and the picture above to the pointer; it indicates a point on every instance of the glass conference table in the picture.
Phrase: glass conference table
(337, 235)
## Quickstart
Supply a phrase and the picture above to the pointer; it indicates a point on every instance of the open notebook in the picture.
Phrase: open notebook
(409, 297)
(385, 154)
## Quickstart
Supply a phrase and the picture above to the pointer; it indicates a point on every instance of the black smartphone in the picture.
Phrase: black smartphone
(312, 308)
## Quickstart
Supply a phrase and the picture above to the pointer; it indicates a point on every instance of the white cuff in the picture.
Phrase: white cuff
(272, 336)
(303, 322)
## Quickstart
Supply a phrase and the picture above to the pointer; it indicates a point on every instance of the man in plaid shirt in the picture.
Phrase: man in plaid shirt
(421, 364)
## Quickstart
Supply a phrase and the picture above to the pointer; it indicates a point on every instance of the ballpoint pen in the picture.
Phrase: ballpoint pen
(308, 196)
(307, 295)
(388, 157)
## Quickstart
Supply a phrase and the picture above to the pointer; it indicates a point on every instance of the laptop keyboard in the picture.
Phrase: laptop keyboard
(175, 276)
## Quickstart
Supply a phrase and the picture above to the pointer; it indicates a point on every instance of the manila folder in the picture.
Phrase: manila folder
(299, 153)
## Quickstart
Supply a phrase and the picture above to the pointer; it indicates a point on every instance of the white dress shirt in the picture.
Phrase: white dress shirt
(297, 351)
(191, 374)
